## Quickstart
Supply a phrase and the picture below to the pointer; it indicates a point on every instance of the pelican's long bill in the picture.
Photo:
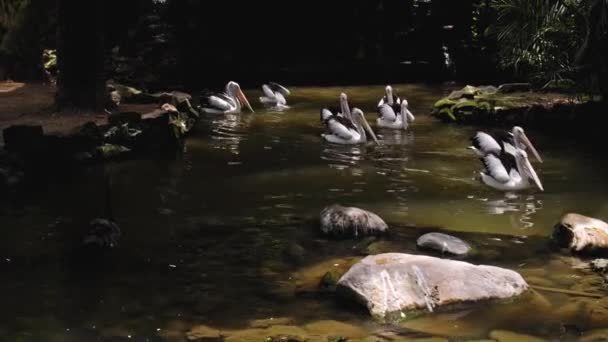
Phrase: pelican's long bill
(243, 99)
(344, 108)
(532, 174)
(529, 145)
(368, 128)
(410, 116)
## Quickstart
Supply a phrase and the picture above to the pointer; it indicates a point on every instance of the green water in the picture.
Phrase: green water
(224, 234)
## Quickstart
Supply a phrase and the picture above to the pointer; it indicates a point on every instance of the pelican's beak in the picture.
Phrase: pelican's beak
(529, 145)
(244, 100)
(345, 108)
(369, 129)
(532, 174)
(410, 116)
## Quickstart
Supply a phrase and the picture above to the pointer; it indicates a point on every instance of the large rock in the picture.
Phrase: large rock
(339, 221)
(443, 243)
(23, 138)
(514, 87)
(581, 234)
(389, 284)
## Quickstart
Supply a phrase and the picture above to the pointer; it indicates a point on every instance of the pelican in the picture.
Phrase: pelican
(484, 143)
(229, 102)
(395, 117)
(389, 97)
(511, 170)
(274, 95)
(344, 131)
(337, 220)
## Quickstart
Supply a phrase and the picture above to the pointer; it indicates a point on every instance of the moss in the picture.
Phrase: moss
(330, 280)
(444, 103)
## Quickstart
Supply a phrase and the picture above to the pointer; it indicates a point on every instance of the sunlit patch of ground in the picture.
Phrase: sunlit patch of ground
(32, 104)
(9, 86)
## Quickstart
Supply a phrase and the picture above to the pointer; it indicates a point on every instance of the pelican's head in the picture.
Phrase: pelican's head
(408, 117)
(359, 117)
(326, 114)
(389, 94)
(521, 141)
(344, 107)
(233, 88)
(527, 170)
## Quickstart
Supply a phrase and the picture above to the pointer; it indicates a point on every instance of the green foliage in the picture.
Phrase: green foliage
(538, 38)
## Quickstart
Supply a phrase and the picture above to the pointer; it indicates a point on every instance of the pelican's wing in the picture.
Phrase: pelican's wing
(279, 88)
(381, 102)
(507, 157)
(495, 168)
(387, 113)
(280, 98)
(337, 128)
(326, 114)
(267, 91)
(220, 102)
(485, 143)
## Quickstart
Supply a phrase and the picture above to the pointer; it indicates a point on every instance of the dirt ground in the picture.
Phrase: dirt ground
(31, 104)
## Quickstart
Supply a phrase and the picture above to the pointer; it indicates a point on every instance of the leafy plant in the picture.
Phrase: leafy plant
(538, 38)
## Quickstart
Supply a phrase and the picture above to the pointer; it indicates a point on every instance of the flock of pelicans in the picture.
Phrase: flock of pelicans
(503, 154)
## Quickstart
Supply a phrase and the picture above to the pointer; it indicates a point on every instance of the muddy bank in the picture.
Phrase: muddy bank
(36, 138)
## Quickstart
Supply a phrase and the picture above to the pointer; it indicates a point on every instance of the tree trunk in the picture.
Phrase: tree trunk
(80, 55)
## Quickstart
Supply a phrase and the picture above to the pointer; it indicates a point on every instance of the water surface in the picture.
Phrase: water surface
(224, 233)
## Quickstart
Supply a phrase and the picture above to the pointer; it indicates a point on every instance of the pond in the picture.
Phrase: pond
(224, 234)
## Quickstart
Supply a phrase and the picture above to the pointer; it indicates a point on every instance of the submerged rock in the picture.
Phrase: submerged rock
(102, 233)
(339, 221)
(581, 234)
(443, 243)
(600, 266)
(514, 88)
(509, 336)
(389, 284)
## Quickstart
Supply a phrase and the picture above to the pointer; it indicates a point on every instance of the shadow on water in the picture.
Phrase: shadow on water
(225, 233)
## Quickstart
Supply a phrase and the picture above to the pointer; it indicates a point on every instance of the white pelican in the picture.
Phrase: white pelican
(340, 221)
(511, 170)
(484, 143)
(231, 101)
(274, 95)
(395, 117)
(389, 97)
(344, 131)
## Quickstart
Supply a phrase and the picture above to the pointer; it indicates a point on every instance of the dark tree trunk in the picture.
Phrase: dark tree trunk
(80, 55)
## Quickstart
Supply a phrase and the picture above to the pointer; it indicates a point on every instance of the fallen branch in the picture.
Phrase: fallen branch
(568, 292)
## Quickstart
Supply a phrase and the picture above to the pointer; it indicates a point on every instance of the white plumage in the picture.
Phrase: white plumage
(275, 95)
(229, 102)
(511, 170)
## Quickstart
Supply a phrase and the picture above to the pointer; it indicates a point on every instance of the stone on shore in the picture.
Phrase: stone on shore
(581, 234)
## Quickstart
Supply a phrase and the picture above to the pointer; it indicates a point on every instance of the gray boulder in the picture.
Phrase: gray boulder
(339, 221)
(391, 284)
(582, 234)
(443, 243)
